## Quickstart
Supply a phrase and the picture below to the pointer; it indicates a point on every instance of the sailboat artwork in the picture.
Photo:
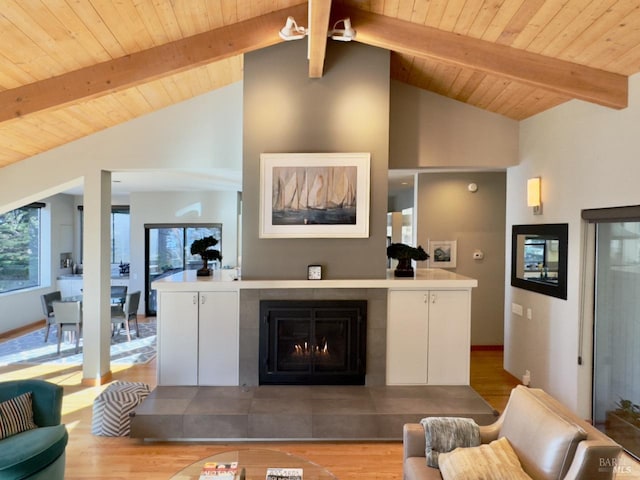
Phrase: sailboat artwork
(316, 195)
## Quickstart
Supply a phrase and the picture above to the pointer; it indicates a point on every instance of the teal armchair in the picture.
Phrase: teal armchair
(37, 453)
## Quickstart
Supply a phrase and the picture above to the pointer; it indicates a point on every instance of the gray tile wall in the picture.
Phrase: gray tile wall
(376, 326)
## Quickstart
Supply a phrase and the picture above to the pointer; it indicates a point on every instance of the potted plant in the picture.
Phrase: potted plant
(404, 254)
(204, 248)
(623, 425)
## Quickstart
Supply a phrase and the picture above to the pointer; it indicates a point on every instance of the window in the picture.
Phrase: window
(120, 235)
(20, 248)
(407, 226)
(616, 381)
(613, 243)
(167, 250)
(120, 227)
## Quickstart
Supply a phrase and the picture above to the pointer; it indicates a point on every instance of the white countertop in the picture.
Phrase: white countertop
(425, 278)
(80, 276)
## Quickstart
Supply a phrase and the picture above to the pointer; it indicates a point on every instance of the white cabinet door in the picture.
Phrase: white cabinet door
(449, 337)
(70, 287)
(407, 335)
(218, 353)
(178, 338)
(65, 287)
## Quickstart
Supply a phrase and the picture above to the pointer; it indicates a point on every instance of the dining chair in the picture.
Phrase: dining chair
(47, 308)
(124, 314)
(118, 291)
(68, 319)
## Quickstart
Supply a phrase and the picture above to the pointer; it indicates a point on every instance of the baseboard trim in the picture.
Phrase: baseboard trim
(487, 348)
(23, 329)
(96, 382)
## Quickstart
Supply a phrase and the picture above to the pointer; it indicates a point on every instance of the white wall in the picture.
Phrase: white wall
(203, 133)
(587, 157)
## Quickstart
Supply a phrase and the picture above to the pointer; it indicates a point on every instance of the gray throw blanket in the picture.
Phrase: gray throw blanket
(443, 434)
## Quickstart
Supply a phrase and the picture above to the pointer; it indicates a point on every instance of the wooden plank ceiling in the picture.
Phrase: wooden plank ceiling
(69, 68)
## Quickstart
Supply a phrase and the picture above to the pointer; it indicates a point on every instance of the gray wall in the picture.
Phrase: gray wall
(448, 211)
(347, 110)
(429, 130)
(401, 200)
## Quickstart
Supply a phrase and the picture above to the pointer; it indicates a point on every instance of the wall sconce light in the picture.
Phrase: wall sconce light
(291, 30)
(345, 34)
(533, 195)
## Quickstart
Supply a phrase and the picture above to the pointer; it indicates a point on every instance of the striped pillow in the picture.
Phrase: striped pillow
(16, 415)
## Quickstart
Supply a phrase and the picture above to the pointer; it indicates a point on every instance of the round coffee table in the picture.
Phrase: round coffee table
(255, 463)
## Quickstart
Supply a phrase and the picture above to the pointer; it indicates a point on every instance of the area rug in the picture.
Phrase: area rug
(31, 349)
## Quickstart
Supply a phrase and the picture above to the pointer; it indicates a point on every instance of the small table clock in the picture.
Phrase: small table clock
(314, 272)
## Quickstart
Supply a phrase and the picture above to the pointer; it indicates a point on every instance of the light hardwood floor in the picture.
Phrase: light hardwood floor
(92, 457)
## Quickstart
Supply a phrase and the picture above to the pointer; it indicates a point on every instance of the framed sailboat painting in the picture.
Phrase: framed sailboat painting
(314, 195)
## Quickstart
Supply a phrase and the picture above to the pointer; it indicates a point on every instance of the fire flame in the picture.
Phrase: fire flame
(306, 350)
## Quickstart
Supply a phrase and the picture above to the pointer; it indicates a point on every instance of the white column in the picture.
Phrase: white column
(97, 278)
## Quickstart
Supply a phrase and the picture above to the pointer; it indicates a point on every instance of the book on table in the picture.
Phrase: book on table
(219, 471)
(284, 474)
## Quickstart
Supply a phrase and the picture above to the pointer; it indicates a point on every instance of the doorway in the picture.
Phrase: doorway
(167, 251)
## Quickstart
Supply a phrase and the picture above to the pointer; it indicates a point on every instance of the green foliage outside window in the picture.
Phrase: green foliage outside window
(19, 249)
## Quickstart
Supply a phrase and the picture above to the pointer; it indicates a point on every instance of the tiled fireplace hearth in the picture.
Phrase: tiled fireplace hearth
(214, 392)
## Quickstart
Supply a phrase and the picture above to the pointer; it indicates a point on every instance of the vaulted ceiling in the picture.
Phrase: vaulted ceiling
(69, 68)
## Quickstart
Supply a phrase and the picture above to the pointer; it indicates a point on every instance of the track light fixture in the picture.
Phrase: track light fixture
(345, 34)
(291, 30)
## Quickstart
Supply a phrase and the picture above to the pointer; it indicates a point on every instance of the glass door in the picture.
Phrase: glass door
(616, 376)
(167, 251)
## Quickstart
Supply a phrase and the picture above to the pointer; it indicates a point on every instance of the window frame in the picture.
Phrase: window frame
(37, 206)
(114, 210)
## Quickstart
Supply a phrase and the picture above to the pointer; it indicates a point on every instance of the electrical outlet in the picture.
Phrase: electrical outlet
(529, 314)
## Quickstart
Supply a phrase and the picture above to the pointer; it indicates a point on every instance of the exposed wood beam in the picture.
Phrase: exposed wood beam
(319, 11)
(566, 78)
(140, 67)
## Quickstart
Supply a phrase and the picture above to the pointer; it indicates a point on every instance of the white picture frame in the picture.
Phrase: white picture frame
(338, 184)
(442, 253)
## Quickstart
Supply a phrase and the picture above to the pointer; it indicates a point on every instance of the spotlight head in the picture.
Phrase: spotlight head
(291, 30)
(345, 34)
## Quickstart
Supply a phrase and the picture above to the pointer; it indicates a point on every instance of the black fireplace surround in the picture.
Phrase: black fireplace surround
(313, 342)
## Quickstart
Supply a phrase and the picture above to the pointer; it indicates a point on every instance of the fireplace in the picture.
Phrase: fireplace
(312, 342)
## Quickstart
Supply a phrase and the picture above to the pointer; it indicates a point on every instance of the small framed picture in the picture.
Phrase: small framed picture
(442, 253)
(314, 272)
